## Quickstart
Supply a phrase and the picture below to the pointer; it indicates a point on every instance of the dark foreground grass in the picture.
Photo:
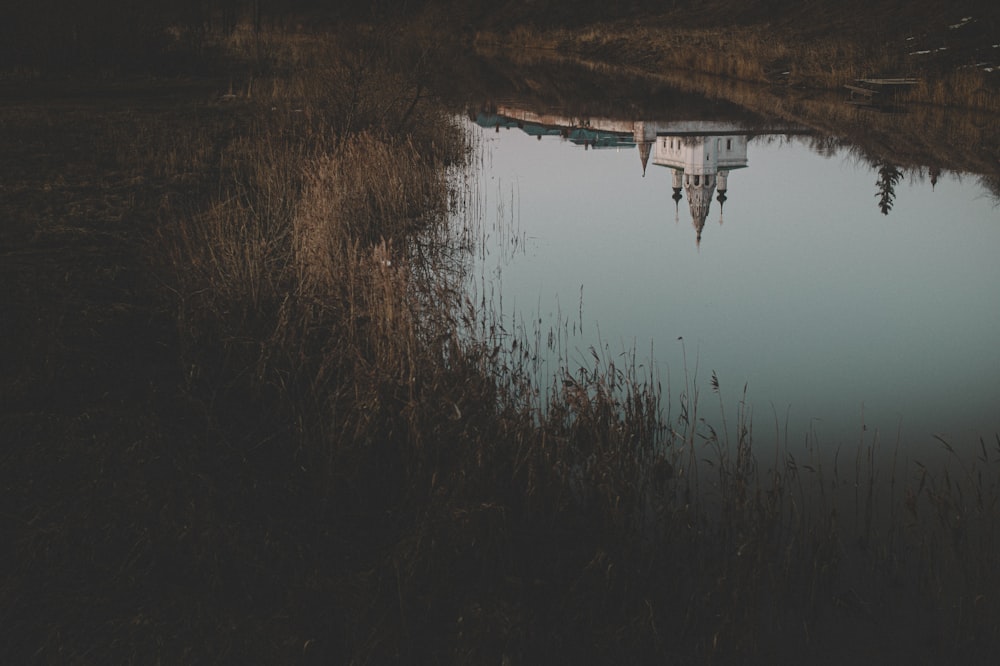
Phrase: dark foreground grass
(247, 419)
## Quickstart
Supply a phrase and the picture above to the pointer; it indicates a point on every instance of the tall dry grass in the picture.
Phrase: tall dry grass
(759, 53)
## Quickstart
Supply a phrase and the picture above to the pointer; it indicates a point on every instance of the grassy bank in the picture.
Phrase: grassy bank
(808, 46)
(249, 419)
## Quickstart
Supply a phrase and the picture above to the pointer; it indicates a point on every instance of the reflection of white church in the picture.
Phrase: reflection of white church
(699, 153)
(700, 165)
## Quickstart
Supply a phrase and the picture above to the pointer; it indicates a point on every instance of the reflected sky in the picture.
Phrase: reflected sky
(836, 316)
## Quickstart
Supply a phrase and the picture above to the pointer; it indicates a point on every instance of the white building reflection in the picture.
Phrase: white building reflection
(699, 153)
(700, 166)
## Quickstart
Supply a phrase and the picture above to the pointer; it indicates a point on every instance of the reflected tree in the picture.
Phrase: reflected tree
(991, 183)
(888, 177)
(826, 146)
(934, 173)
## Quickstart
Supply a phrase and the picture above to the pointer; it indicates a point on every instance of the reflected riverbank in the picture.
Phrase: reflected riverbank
(918, 137)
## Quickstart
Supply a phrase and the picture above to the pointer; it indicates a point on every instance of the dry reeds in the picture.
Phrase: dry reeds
(759, 54)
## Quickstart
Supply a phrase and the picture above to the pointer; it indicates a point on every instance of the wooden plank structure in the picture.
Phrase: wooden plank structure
(877, 93)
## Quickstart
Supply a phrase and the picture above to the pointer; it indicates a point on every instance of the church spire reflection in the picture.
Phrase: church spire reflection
(722, 187)
(700, 164)
(700, 153)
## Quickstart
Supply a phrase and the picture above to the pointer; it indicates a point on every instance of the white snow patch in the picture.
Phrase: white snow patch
(961, 23)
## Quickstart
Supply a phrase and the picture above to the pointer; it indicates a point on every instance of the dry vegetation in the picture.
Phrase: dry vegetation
(249, 419)
(956, 63)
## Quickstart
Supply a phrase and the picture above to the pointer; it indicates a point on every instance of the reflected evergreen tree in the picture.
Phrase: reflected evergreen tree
(888, 177)
(934, 173)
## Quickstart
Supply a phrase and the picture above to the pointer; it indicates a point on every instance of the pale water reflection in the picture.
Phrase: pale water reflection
(745, 252)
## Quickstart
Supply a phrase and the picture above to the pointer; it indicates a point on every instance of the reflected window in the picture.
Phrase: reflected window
(697, 180)
(729, 144)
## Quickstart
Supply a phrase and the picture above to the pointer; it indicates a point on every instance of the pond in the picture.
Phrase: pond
(852, 301)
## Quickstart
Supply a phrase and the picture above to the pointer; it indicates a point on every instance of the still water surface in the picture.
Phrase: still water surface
(843, 322)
